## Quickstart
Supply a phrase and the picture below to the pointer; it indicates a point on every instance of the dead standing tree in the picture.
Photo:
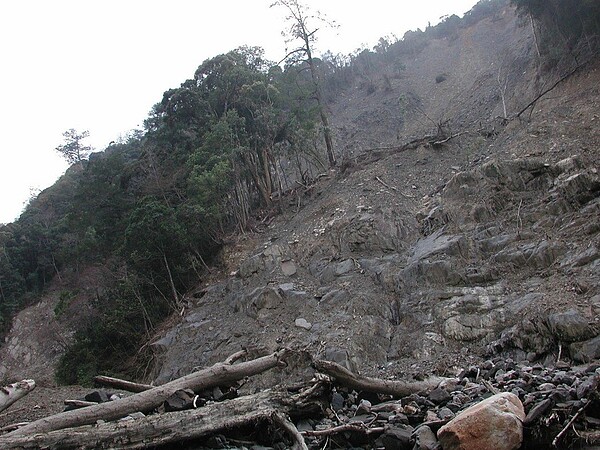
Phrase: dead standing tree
(299, 31)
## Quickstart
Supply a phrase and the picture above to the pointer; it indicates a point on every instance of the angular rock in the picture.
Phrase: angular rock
(439, 395)
(538, 411)
(585, 351)
(179, 400)
(445, 413)
(425, 439)
(580, 188)
(344, 267)
(288, 268)
(337, 401)
(251, 266)
(303, 323)
(571, 326)
(494, 423)
(261, 300)
(587, 387)
(286, 287)
(397, 437)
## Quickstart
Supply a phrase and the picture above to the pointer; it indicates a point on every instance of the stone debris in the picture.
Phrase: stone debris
(465, 412)
(498, 404)
(303, 323)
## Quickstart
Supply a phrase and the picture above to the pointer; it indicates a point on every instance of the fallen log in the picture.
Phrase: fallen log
(13, 392)
(130, 386)
(12, 426)
(360, 383)
(167, 428)
(219, 374)
(124, 385)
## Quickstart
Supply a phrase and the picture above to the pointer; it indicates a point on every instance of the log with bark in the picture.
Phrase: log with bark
(90, 427)
(161, 429)
(13, 392)
(219, 374)
(396, 388)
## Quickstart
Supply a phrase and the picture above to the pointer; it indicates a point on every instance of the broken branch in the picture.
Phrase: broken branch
(163, 429)
(344, 428)
(568, 425)
(124, 385)
(288, 426)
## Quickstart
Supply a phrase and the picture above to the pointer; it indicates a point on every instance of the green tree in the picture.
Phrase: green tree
(156, 246)
(73, 149)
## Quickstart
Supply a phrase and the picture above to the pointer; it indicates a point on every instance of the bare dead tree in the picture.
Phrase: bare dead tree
(502, 85)
(300, 31)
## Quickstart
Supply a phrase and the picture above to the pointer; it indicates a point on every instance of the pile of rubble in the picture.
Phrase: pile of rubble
(499, 405)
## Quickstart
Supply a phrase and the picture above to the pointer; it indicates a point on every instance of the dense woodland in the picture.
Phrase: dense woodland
(215, 154)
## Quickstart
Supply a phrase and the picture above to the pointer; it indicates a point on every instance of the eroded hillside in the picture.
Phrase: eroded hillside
(407, 259)
(425, 259)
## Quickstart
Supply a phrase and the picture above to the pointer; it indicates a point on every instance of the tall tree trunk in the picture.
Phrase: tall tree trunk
(252, 165)
(535, 38)
(319, 96)
(267, 170)
(171, 282)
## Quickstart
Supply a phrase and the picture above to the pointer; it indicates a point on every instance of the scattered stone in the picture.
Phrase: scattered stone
(180, 400)
(439, 395)
(538, 411)
(396, 437)
(99, 396)
(288, 268)
(337, 401)
(364, 407)
(445, 413)
(425, 439)
(303, 323)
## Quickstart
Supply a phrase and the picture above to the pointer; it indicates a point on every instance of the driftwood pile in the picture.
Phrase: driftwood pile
(336, 409)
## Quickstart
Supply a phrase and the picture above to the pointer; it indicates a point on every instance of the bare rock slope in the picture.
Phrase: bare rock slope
(426, 259)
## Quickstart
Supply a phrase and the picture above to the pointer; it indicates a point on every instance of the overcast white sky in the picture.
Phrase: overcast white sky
(100, 65)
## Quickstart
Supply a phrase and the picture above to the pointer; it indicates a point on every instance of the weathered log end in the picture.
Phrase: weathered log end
(15, 391)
